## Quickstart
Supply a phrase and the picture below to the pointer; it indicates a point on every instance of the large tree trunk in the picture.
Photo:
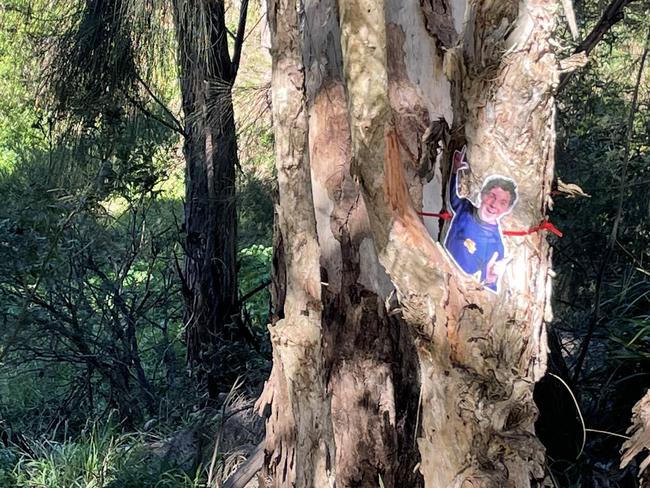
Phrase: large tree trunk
(210, 148)
(389, 363)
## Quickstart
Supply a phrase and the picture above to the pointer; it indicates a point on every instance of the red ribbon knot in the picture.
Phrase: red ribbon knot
(545, 225)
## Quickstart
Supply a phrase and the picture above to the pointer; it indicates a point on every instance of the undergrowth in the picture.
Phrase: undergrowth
(101, 457)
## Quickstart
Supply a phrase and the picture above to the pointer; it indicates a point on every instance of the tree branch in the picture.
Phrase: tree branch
(612, 14)
(176, 126)
(153, 116)
(254, 291)
(613, 237)
(239, 40)
(249, 469)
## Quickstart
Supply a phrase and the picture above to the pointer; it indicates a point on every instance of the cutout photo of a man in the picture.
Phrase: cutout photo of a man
(474, 240)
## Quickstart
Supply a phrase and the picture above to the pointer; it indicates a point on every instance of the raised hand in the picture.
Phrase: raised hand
(458, 160)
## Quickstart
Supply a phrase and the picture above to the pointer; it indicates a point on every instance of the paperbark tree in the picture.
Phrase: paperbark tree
(389, 364)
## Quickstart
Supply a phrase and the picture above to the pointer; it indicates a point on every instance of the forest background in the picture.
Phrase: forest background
(95, 388)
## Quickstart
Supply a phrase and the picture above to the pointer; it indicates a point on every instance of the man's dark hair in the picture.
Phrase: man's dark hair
(505, 184)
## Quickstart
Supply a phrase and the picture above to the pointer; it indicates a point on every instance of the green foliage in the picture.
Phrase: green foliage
(255, 272)
(630, 324)
(605, 292)
(255, 209)
(101, 59)
(8, 460)
(256, 190)
(88, 281)
(91, 304)
(22, 128)
(88, 239)
(100, 457)
(592, 136)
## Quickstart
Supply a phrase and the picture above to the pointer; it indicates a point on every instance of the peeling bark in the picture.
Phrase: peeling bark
(299, 446)
(439, 20)
(390, 89)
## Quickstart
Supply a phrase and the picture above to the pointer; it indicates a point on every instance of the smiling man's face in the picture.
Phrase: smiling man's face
(494, 203)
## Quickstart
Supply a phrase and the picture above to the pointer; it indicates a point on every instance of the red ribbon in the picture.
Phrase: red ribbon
(441, 215)
(545, 225)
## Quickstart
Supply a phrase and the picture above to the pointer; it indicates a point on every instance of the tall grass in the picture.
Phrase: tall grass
(99, 458)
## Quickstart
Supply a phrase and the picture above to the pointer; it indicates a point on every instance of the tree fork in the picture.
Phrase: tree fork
(390, 293)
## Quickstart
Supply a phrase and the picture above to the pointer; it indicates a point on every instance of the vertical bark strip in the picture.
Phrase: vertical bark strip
(365, 350)
(299, 445)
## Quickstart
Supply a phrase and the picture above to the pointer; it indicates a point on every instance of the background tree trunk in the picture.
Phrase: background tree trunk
(210, 148)
(387, 357)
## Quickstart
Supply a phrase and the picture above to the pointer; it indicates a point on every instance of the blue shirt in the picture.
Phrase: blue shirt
(470, 241)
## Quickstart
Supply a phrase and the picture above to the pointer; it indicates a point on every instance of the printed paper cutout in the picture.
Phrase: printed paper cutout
(474, 240)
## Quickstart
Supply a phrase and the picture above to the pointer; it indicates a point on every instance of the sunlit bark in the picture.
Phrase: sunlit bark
(381, 94)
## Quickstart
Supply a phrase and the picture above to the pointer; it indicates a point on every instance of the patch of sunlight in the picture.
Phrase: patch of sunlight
(135, 277)
(173, 186)
(115, 205)
(8, 161)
